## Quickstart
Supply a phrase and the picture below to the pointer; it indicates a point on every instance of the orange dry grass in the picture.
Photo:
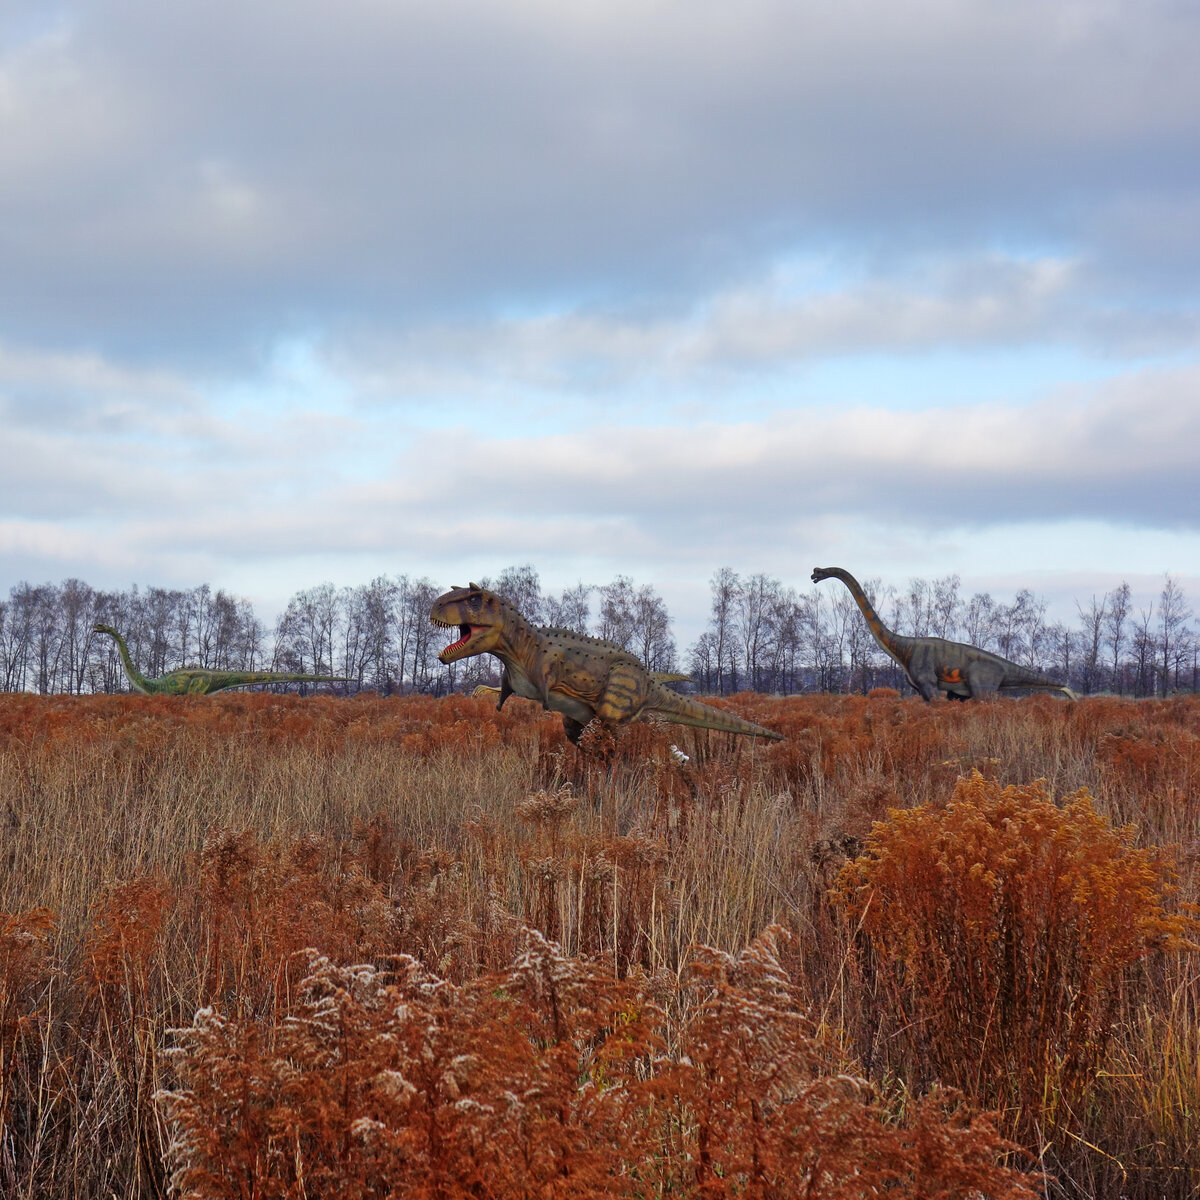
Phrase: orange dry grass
(1000, 932)
(176, 863)
(549, 1079)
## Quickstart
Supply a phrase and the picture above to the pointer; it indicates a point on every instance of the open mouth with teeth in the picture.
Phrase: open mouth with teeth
(466, 633)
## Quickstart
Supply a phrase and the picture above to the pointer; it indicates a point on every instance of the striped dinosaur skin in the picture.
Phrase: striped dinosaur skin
(566, 672)
(934, 664)
(486, 691)
(196, 681)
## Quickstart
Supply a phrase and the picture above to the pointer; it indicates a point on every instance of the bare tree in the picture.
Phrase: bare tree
(522, 588)
(304, 636)
(570, 609)
(77, 603)
(406, 622)
(47, 641)
(1144, 651)
(6, 661)
(725, 586)
(827, 637)
(225, 632)
(1037, 633)
(754, 603)
(702, 662)
(789, 615)
(422, 669)
(1093, 619)
(1062, 650)
(367, 638)
(652, 638)
(355, 646)
(207, 621)
(1117, 612)
(618, 621)
(1020, 625)
(184, 614)
(979, 622)
(946, 607)
(251, 632)
(1173, 642)
(18, 639)
(914, 611)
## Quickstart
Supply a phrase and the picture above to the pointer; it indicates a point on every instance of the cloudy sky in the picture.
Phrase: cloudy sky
(310, 290)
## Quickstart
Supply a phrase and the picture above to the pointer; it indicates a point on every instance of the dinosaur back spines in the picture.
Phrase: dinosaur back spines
(586, 638)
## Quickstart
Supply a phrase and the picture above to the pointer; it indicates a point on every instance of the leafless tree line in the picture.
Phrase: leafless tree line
(762, 634)
(765, 636)
(377, 634)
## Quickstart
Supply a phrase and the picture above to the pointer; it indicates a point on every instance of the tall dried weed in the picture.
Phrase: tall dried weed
(999, 933)
(540, 971)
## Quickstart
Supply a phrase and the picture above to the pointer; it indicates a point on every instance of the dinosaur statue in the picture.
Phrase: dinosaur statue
(566, 672)
(960, 670)
(196, 681)
(483, 690)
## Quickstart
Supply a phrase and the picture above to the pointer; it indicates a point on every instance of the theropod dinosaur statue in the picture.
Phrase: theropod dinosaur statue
(197, 681)
(486, 691)
(566, 672)
(934, 664)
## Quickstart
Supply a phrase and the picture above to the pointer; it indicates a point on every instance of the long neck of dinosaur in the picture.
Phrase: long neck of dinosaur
(882, 634)
(138, 680)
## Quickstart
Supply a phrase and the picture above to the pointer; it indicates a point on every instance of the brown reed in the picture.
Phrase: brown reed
(165, 857)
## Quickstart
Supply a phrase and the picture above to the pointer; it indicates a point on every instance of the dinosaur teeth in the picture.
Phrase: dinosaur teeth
(465, 632)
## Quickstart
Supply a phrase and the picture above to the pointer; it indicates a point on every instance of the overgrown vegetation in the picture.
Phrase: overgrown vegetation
(272, 946)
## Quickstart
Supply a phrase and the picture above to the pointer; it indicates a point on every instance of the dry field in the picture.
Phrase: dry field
(266, 946)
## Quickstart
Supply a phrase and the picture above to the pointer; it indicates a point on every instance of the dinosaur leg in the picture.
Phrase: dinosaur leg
(573, 729)
(983, 679)
(922, 671)
(624, 694)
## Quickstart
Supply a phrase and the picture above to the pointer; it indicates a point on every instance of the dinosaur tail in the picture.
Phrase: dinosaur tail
(683, 710)
(288, 677)
(1023, 677)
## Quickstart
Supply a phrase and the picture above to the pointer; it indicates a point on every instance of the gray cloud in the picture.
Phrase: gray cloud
(1125, 453)
(480, 215)
(970, 303)
(277, 508)
(184, 178)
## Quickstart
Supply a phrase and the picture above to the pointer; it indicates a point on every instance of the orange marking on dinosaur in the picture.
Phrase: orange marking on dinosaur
(954, 676)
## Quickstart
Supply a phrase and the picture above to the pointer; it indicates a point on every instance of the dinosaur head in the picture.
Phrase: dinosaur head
(479, 615)
(820, 573)
(100, 628)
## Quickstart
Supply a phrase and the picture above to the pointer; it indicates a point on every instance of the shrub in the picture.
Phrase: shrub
(551, 1079)
(25, 973)
(998, 933)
